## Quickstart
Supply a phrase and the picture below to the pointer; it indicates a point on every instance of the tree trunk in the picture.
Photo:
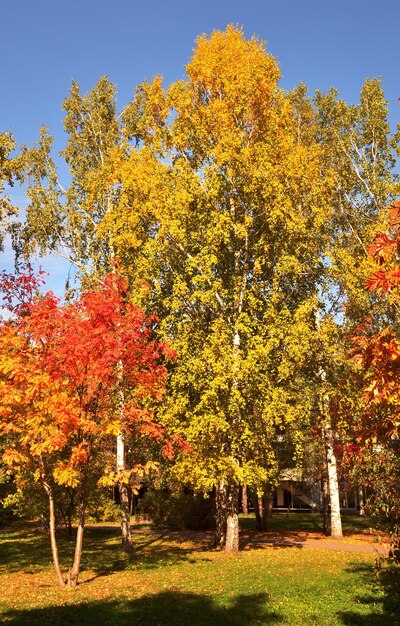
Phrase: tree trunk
(74, 571)
(69, 528)
(361, 501)
(245, 507)
(123, 486)
(125, 518)
(333, 483)
(325, 499)
(220, 515)
(346, 498)
(262, 512)
(53, 540)
(124, 499)
(336, 520)
(227, 518)
(269, 506)
(232, 520)
(261, 509)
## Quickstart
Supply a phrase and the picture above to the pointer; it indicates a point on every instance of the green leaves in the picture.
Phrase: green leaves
(8, 171)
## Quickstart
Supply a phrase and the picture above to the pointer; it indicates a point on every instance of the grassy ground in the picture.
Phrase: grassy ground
(176, 581)
(309, 522)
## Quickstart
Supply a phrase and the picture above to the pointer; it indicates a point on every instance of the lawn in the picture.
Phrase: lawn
(309, 523)
(173, 580)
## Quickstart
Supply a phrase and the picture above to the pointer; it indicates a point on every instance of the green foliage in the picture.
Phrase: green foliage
(7, 491)
(65, 218)
(183, 511)
(358, 148)
(30, 503)
(102, 508)
(8, 171)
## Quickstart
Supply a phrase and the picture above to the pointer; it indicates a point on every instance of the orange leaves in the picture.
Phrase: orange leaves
(384, 251)
(382, 248)
(377, 355)
(63, 369)
(383, 281)
(377, 358)
(394, 214)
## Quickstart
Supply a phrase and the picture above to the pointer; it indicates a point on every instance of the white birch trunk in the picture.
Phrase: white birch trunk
(361, 500)
(333, 483)
(124, 497)
(123, 485)
(232, 519)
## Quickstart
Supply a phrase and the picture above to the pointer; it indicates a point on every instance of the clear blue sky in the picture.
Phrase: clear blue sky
(46, 43)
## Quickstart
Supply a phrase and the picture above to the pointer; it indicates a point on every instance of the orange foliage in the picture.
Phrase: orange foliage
(62, 372)
(377, 355)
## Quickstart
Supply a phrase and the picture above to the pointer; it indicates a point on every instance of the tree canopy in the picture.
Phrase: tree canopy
(241, 215)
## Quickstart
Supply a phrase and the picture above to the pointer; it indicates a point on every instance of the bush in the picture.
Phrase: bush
(102, 508)
(7, 491)
(384, 481)
(182, 511)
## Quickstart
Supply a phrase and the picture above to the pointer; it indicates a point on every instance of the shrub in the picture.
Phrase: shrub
(183, 511)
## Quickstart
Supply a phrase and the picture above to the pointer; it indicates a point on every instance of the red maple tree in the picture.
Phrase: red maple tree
(377, 354)
(63, 372)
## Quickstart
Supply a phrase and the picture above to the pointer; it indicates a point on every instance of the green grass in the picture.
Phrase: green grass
(308, 522)
(175, 581)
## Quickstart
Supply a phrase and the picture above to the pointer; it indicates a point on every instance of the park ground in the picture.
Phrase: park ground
(288, 575)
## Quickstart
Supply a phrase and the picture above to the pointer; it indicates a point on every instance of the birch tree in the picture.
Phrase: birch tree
(222, 212)
(359, 149)
(65, 218)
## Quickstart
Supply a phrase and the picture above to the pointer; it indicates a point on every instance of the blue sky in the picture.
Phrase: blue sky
(47, 43)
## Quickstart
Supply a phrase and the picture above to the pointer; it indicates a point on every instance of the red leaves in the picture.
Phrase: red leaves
(383, 281)
(383, 247)
(66, 367)
(384, 250)
(377, 355)
(18, 290)
(82, 344)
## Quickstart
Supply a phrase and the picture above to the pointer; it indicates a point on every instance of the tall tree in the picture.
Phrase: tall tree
(222, 211)
(67, 219)
(358, 150)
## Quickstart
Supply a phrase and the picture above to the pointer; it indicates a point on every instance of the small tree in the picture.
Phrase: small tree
(376, 354)
(60, 378)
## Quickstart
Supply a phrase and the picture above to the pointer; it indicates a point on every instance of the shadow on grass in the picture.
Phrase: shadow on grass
(26, 549)
(387, 584)
(151, 551)
(169, 608)
(306, 522)
(23, 548)
(259, 543)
